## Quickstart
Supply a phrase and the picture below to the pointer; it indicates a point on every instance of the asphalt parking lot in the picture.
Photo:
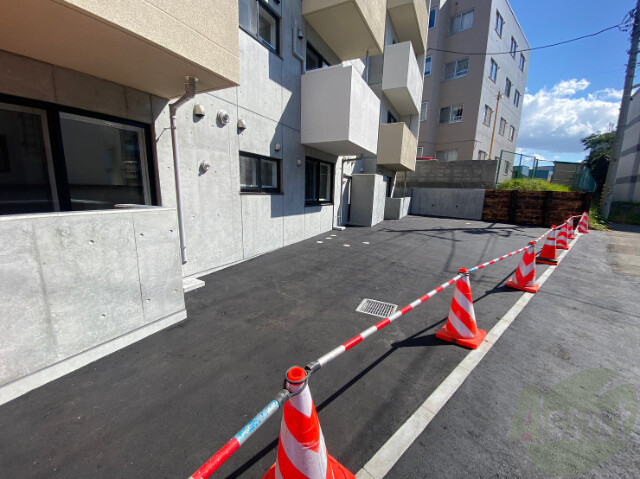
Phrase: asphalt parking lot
(161, 407)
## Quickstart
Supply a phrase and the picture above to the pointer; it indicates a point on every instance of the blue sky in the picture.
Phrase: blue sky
(572, 90)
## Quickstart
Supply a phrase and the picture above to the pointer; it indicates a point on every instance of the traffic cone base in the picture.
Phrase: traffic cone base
(529, 289)
(552, 262)
(335, 470)
(562, 247)
(471, 343)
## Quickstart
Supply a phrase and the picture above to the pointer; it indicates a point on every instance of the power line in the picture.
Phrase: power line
(533, 48)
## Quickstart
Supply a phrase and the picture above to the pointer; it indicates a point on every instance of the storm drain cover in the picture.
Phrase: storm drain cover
(376, 308)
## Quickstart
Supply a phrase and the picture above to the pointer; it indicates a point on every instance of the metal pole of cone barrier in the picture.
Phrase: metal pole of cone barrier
(525, 277)
(461, 324)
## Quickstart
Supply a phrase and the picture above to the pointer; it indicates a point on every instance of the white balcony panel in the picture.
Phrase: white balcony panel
(349, 27)
(402, 78)
(397, 147)
(340, 113)
(410, 19)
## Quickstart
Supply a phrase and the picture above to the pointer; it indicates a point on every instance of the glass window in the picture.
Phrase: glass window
(318, 182)
(516, 98)
(514, 47)
(257, 19)
(488, 112)
(499, 23)
(503, 126)
(482, 155)
(512, 133)
(432, 17)
(391, 118)
(105, 162)
(427, 65)
(314, 59)
(420, 152)
(522, 60)
(259, 174)
(507, 88)
(457, 69)
(27, 182)
(447, 155)
(424, 109)
(462, 21)
(451, 114)
(493, 71)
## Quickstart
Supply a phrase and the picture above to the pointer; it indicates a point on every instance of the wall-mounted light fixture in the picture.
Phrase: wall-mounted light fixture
(198, 110)
(242, 125)
(277, 147)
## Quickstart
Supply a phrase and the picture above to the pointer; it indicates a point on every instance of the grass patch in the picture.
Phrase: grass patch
(596, 220)
(625, 212)
(531, 184)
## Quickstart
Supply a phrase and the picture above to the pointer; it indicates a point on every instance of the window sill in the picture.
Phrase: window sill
(262, 193)
(318, 203)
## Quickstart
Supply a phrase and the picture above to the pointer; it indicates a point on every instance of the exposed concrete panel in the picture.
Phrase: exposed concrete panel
(262, 224)
(26, 343)
(367, 199)
(90, 271)
(293, 182)
(261, 134)
(396, 208)
(317, 220)
(402, 78)
(156, 236)
(451, 202)
(22, 76)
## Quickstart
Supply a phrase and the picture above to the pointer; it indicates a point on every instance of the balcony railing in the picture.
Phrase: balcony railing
(340, 113)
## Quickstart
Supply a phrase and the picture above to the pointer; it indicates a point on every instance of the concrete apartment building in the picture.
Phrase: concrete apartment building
(460, 90)
(627, 182)
(124, 179)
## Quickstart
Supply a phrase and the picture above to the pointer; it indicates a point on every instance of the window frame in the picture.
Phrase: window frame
(493, 76)
(513, 48)
(452, 119)
(508, 85)
(317, 163)
(428, 61)
(499, 21)
(503, 126)
(482, 154)
(512, 132)
(323, 62)
(456, 73)
(261, 5)
(434, 10)
(62, 194)
(460, 16)
(484, 119)
(446, 155)
(424, 107)
(516, 98)
(522, 62)
(260, 189)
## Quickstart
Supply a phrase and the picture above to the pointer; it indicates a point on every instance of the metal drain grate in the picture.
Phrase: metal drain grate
(376, 308)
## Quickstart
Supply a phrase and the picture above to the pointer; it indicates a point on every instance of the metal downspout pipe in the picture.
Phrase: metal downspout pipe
(189, 93)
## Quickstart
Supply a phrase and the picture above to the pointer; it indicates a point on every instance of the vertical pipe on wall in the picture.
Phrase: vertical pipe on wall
(189, 93)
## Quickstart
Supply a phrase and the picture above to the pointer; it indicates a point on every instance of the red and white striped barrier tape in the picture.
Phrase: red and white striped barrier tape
(219, 458)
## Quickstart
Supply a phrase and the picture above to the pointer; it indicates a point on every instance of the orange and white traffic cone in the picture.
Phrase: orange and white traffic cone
(583, 226)
(302, 453)
(561, 238)
(525, 277)
(461, 324)
(548, 254)
(570, 226)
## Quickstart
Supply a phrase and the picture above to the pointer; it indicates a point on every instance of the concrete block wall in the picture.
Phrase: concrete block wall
(73, 281)
(453, 174)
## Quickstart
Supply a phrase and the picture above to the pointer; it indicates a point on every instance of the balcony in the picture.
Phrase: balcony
(340, 113)
(402, 78)
(410, 19)
(349, 27)
(149, 45)
(397, 147)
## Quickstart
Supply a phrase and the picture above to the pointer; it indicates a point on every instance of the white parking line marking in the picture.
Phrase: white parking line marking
(387, 456)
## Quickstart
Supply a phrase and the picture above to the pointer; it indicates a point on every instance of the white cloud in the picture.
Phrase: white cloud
(569, 87)
(555, 120)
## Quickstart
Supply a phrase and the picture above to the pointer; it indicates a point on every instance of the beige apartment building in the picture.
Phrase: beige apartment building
(475, 53)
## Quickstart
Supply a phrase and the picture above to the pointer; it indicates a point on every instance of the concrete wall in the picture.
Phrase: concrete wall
(367, 199)
(70, 282)
(453, 174)
(627, 183)
(396, 208)
(450, 202)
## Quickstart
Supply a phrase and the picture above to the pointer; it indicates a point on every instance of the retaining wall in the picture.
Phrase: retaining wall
(451, 202)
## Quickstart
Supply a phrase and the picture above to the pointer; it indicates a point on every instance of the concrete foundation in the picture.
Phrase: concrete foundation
(450, 202)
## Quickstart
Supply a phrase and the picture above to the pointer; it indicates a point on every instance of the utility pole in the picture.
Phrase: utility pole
(605, 203)
(495, 120)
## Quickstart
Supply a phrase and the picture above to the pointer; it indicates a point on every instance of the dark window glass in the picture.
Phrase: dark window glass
(318, 181)
(314, 59)
(391, 118)
(25, 162)
(432, 17)
(259, 174)
(257, 19)
(105, 162)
